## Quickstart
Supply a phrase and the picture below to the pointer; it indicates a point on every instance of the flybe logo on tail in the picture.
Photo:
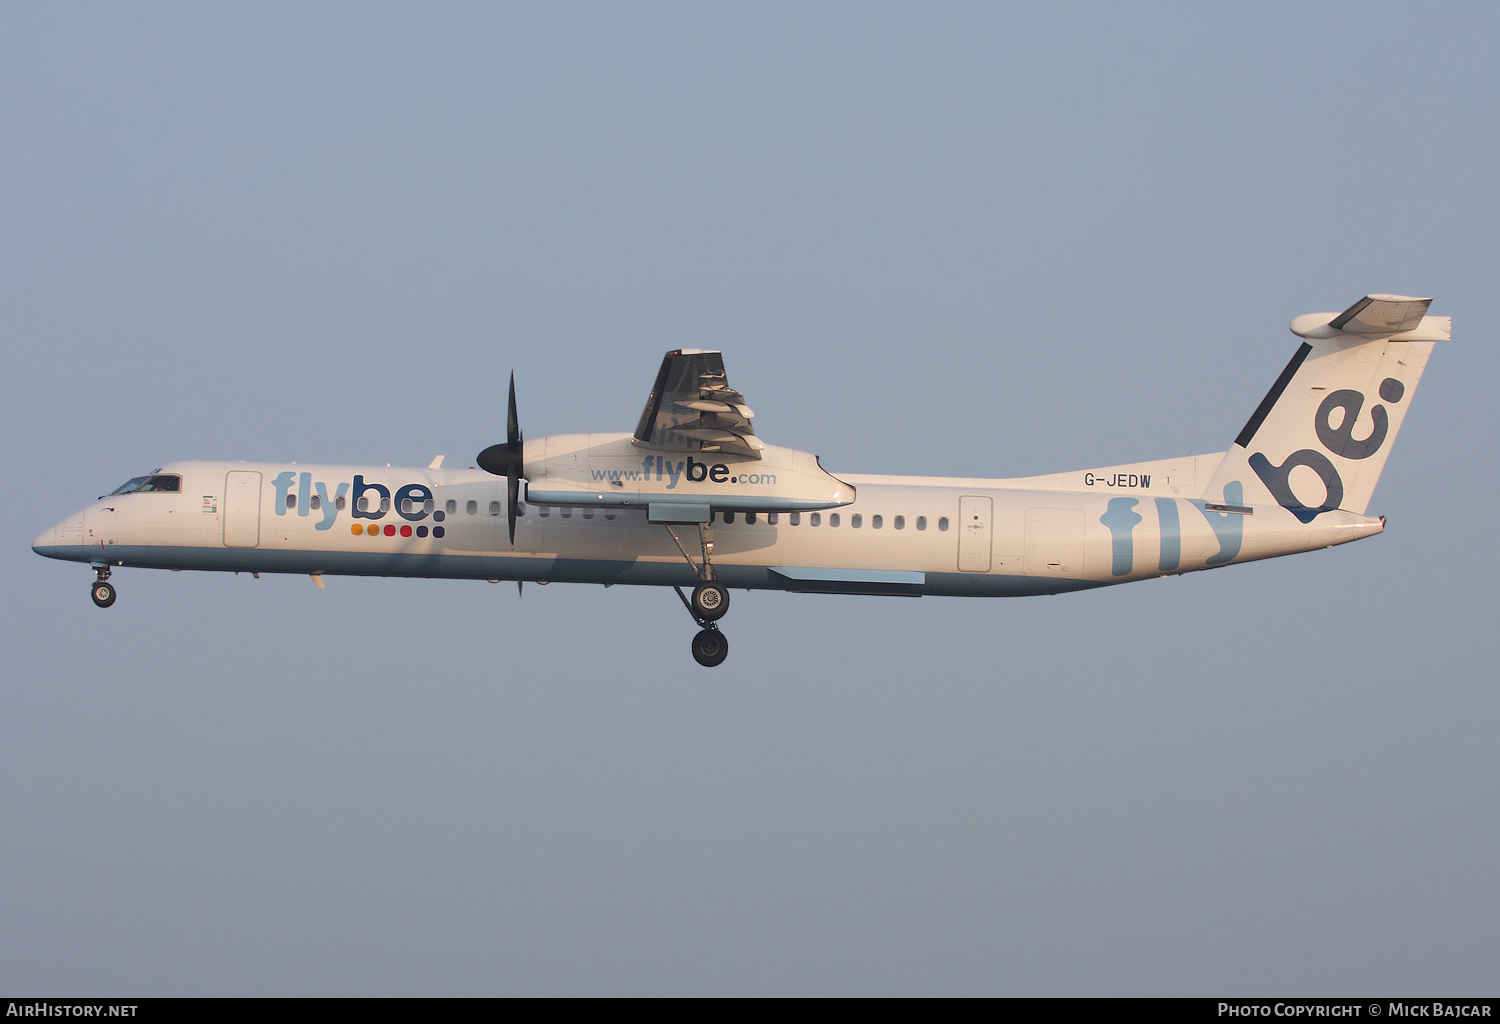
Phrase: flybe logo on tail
(1338, 439)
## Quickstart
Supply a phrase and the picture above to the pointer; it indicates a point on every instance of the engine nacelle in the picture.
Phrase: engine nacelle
(614, 470)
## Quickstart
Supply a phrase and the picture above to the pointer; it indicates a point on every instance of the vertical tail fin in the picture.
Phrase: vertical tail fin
(1320, 438)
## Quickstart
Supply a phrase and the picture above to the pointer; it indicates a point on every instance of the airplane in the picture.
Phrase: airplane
(693, 498)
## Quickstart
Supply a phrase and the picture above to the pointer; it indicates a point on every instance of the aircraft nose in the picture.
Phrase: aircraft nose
(45, 541)
(62, 540)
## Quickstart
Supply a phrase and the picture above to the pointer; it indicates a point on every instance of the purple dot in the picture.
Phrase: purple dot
(422, 531)
(437, 531)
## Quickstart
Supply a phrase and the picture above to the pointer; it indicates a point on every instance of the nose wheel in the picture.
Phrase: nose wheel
(103, 592)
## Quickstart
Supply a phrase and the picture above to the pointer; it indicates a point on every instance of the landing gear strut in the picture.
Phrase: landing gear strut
(103, 591)
(709, 602)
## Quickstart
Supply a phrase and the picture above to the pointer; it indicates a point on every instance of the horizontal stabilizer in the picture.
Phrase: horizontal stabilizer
(1377, 316)
(1381, 315)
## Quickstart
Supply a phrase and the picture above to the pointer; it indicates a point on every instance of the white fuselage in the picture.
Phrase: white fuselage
(899, 535)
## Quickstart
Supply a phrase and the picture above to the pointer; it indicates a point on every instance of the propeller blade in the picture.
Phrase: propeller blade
(507, 458)
(504, 459)
(512, 421)
(512, 495)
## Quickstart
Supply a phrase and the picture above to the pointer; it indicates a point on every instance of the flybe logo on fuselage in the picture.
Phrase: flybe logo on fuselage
(304, 496)
(1339, 440)
(654, 467)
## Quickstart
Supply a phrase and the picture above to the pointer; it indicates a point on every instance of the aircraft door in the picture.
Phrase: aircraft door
(242, 509)
(974, 517)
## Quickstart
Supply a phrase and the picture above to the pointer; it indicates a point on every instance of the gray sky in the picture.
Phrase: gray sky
(945, 239)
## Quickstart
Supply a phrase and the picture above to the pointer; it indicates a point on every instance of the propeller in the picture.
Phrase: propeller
(505, 460)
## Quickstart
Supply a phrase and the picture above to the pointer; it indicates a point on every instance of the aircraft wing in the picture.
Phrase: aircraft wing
(693, 409)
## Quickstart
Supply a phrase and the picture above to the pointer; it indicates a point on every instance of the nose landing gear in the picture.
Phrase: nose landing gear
(103, 591)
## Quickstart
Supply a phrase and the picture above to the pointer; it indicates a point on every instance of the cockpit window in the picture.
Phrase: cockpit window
(159, 482)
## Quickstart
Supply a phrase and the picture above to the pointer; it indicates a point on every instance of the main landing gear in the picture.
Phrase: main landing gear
(103, 591)
(709, 602)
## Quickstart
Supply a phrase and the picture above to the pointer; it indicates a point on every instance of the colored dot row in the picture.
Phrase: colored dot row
(374, 530)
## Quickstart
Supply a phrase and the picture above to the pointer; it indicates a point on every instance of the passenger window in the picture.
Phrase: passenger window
(315, 503)
(817, 519)
(728, 517)
(494, 508)
(833, 520)
(588, 513)
(291, 500)
(544, 511)
(567, 513)
(921, 522)
(406, 506)
(452, 507)
(385, 504)
(876, 522)
(340, 502)
(899, 522)
(943, 523)
(363, 504)
(856, 520)
(472, 507)
(750, 518)
(770, 518)
(427, 506)
(795, 518)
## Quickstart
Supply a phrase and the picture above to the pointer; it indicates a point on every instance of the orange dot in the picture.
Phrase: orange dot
(356, 529)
